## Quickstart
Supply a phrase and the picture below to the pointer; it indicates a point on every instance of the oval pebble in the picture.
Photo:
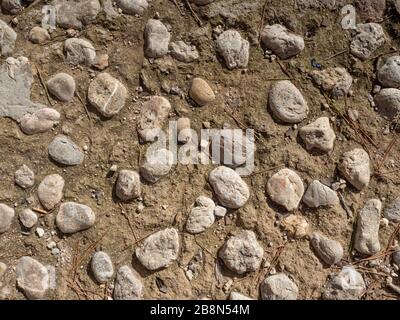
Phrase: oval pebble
(62, 87)
(24, 177)
(102, 267)
(128, 285)
(74, 217)
(201, 92)
(64, 151)
(128, 185)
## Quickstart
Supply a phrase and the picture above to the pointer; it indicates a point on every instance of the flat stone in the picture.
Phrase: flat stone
(318, 135)
(388, 103)
(367, 233)
(74, 217)
(231, 190)
(28, 218)
(335, 81)
(64, 151)
(107, 94)
(278, 287)
(7, 41)
(128, 185)
(220, 211)
(287, 103)
(76, 14)
(133, 7)
(233, 49)
(102, 267)
(32, 278)
(347, 285)
(40, 121)
(201, 217)
(242, 253)
(79, 51)
(157, 39)
(158, 163)
(39, 35)
(354, 165)
(328, 250)
(128, 285)
(319, 195)
(281, 41)
(392, 211)
(62, 87)
(24, 177)
(50, 191)
(6, 217)
(295, 226)
(153, 114)
(370, 38)
(159, 250)
(389, 73)
(201, 92)
(286, 189)
(183, 52)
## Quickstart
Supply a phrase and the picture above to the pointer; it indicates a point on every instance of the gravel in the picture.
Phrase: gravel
(336, 82)
(183, 52)
(388, 103)
(7, 41)
(79, 51)
(133, 7)
(370, 38)
(389, 73)
(158, 164)
(76, 15)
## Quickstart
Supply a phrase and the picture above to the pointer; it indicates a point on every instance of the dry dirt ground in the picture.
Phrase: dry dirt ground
(241, 100)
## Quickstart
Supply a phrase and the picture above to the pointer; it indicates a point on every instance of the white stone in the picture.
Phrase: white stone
(24, 177)
(157, 39)
(295, 226)
(238, 296)
(74, 217)
(50, 191)
(318, 135)
(220, 211)
(133, 7)
(3, 269)
(354, 165)
(319, 195)
(233, 49)
(347, 285)
(201, 217)
(279, 287)
(40, 121)
(102, 267)
(32, 278)
(6, 217)
(28, 218)
(183, 52)
(128, 285)
(158, 163)
(328, 250)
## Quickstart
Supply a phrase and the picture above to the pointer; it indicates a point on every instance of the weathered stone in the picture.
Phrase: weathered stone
(369, 38)
(102, 267)
(107, 94)
(128, 185)
(11, 6)
(201, 92)
(231, 190)
(354, 165)
(62, 87)
(159, 250)
(79, 51)
(183, 52)
(74, 217)
(233, 49)
(281, 42)
(133, 6)
(64, 151)
(367, 233)
(28, 218)
(8, 38)
(286, 189)
(295, 226)
(389, 73)
(287, 103)
(335, 81)
(242, 253)
(392, 211)
(388, 103)
(158, 163)
(50, 191)
(278, 287)
(157, 39)
(76, 14)
(32, 278)
(318, 135)
(201, 217)
(128, 285)
(6, 217)
(40, 121)
(319, 195)
(39, 35)
(370, 10)
(328, 250)
(24, 177)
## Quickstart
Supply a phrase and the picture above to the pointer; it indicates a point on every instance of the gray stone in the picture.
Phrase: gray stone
(153, 114)
(50, 191)
(79, 51)
(159, 250)
(318, 135)
(62, 87)
(157, 39)
(11, 6)
(388, 103)
(183, 52)
(335, 81)
(392, 211)
(389, 73)
(287, 103)
(32, 278)
(354, 165)
(24, 177)
(220, 211)
(39, 35)
(281, 41)
(347, 285)
(286, 189)
(128, 185)
(107, 94)
(128, 285)
(133, 6)
(8, 38)
(278, 287)
(6, 217)
(158, 163)
(201, 217)
(64, 151)
(102, 267)
(74, 217)
(40, 121)
(242, 253)
(76, 14)
(28, 218)
(328, 250)
(367, 234)
(233, 49)
(369, 38)
(231, 190)
(319, 195)
(15, 89)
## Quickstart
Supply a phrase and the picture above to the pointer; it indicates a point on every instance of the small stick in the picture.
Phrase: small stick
(40, 210)
(262, 21)
(194, 13)
(335, 55)
(43, 85)
(179, 8)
